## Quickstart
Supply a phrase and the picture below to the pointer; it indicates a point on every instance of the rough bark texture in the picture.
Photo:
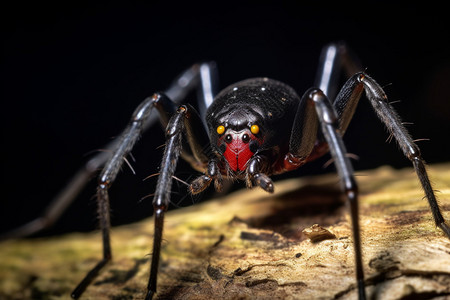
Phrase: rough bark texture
(250, 245)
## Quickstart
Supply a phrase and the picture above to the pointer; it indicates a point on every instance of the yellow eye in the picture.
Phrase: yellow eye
(220, 129)
(254, 129)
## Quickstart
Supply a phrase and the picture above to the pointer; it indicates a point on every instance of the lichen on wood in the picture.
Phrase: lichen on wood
(250, 245)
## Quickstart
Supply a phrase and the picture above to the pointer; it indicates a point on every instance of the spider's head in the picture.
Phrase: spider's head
(246, 117)
(238, 137)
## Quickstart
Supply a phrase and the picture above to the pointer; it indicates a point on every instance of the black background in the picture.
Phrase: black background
(73, 72)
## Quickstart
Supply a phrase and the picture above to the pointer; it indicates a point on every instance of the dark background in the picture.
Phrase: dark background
(72, 74)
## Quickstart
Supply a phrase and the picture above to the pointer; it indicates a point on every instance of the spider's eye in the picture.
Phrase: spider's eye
(220, 129)
(254, 129)
(228, 138)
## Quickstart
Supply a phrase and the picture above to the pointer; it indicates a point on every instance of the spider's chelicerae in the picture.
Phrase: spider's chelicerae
(237, 134)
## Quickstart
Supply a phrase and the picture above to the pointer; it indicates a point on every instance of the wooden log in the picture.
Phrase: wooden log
(253, 245)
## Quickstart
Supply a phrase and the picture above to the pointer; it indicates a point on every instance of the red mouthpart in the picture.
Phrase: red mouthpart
(238, 153)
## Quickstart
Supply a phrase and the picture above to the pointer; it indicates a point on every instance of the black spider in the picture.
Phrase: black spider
(241, 133)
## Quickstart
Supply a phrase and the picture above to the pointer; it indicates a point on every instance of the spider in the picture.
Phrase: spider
(241, 133)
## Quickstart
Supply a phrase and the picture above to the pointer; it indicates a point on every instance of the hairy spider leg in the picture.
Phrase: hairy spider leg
(202, 76)
(126, 142)
(304, 147)
(345, 103)
(185, 120)
(140, 121)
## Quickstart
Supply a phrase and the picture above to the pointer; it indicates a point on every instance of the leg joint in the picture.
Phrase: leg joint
(176, 123)
(351, 188)
(323, 106)
(316, 95)
(144, 108)
(360, 76)
(104, 182)
(413, 152)
(158, 100)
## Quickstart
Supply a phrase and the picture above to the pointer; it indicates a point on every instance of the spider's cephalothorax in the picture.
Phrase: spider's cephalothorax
(254, 129)
(245, 120)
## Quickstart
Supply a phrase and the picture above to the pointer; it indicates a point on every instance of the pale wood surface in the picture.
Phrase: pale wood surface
(250, 245)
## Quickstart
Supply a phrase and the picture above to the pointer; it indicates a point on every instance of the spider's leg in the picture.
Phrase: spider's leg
(206, 93)
(334, 58)
(161, 199)
(315, 109)
(345, 104)
(301, 144)
(125, 144)
(330, 128)
(177, 91)
(208, 87)
(195, 154)
(184, 120)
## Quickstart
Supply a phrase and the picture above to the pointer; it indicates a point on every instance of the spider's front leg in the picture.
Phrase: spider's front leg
(161, 199)
(330, 128)
(201, 76)
(315, 109)
(198, 75)
(185, 120)
(126, 142)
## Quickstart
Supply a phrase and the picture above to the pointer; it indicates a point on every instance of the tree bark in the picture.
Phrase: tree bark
(255, 245)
